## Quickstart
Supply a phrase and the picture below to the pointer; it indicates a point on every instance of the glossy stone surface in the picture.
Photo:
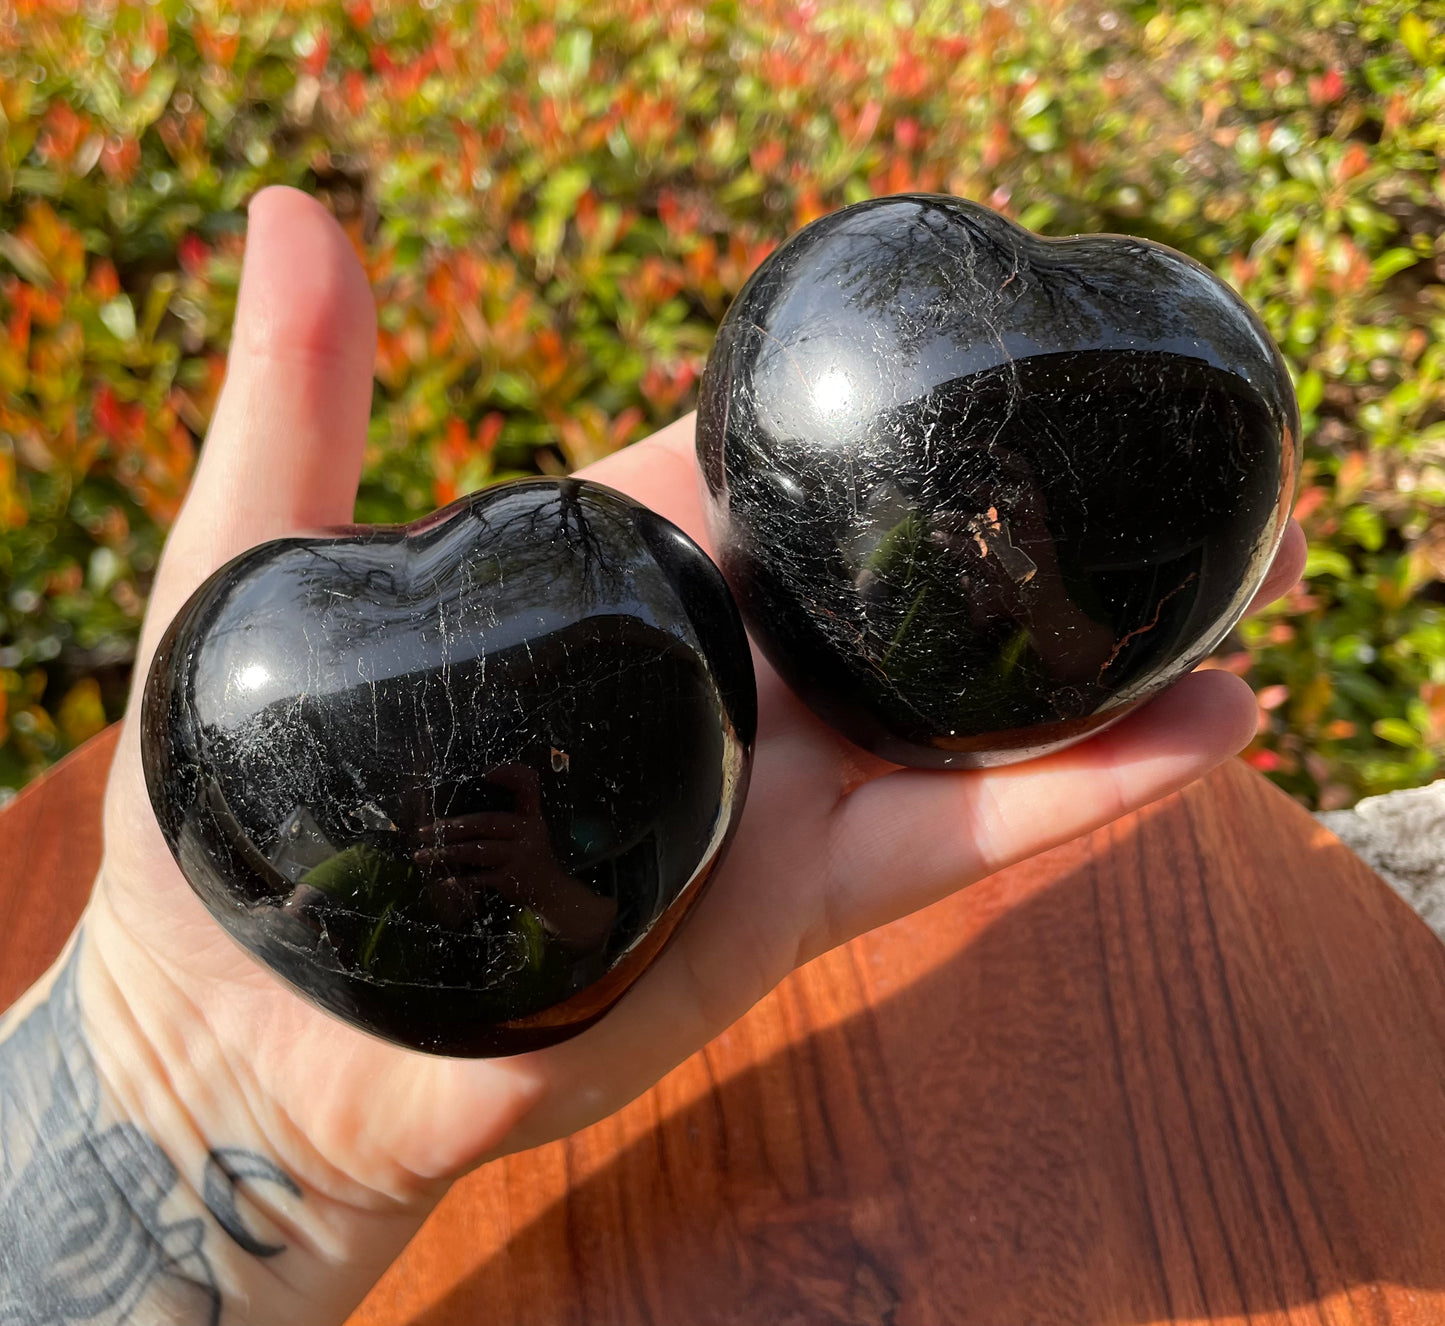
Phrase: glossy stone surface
(979, 493)
(457, 782)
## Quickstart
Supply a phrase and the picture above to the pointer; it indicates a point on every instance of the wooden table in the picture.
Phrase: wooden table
(1188, 1069)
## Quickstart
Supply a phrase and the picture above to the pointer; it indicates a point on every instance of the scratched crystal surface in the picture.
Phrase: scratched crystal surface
(980, 493)
(457, 782)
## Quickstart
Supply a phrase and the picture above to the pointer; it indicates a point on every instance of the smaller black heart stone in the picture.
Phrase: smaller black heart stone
(457, 782)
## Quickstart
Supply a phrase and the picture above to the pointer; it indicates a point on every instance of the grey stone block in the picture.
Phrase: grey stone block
(1402, 836)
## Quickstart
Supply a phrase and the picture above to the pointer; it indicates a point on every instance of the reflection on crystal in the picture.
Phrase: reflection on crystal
(832, 391)
(490, 762)
(252, 677)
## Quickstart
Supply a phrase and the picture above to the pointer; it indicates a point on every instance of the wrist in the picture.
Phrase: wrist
(88, 1230)
(147, 1176)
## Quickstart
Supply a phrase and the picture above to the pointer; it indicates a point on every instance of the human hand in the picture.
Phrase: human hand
(192, 1037)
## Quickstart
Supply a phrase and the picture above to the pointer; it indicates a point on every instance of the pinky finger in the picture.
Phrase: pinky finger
(1288, 566)
(913, 836)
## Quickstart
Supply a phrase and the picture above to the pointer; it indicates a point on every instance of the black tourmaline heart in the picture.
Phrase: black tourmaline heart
(980, 493)
(458, 781)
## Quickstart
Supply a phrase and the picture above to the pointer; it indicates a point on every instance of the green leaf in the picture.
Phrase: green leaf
(1396, 731)
(157, 300)
(146, 109)
(25, 258)
(1363, 525)
(1310, 391)
(564, 188)
(1390, 262)
(118, 316)
(1327, 562)
(574, 54)
(1415, 36)
(547, 234)
(1037, 215)
(746, 184)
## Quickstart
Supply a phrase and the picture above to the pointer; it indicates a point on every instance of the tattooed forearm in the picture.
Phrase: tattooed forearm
(95, 1223)
(82, 1234)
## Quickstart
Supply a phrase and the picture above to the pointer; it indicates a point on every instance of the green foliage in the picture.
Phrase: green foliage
(556, 201)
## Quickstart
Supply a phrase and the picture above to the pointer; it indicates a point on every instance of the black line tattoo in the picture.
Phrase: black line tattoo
(84, 1236)
(226, 1169)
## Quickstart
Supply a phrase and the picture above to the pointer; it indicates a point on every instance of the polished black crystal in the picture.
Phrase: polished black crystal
(457, 782)
(979, 493)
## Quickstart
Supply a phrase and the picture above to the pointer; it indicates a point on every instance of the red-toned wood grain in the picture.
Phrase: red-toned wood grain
(1188, 1069)
(49, 851)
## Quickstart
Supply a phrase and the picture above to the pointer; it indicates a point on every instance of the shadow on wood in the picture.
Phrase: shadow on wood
(1190, 1070)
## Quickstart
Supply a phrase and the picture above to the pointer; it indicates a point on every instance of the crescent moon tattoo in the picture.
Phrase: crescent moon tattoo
(226, 1169)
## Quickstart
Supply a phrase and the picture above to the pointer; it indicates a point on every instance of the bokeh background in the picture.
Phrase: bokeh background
(556, 201)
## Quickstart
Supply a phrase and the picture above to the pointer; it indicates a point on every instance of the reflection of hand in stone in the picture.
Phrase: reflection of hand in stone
(1014, 575)
(511, 851)
(1072, 646)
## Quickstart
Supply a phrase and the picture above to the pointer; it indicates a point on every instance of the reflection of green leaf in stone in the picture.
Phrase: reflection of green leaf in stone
(1012, 652)
(533, 937)
(369, 952)
(894, 556)
(367, 880)
(903, 628)
(363, 875)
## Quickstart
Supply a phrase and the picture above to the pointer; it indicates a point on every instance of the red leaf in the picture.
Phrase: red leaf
(489, 430)
(315, 62)
(1354, 161)
(1327, 88)
(1271, 697)
(194, 255)
(107, 411)
(119, 158)
(1266, 761)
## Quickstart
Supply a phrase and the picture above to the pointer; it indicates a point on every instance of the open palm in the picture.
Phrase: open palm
(832, 841)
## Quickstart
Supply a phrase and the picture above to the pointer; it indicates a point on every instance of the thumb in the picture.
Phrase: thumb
(285, 446)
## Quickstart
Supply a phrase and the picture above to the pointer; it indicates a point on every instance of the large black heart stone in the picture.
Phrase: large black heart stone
(457, 782)
(980, 493)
